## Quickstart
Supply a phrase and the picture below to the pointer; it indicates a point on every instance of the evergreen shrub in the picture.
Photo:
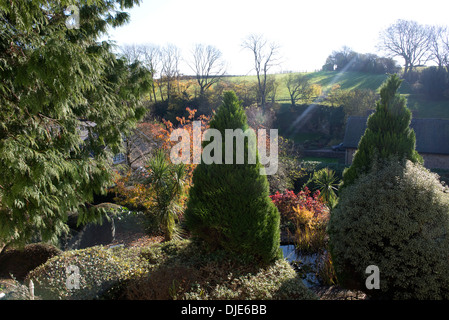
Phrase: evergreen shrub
(397, 218)
(229, 205)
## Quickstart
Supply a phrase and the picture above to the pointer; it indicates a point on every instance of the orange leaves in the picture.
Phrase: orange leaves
(132, 194)
(137, 196)
(186, 124)
(310, 229)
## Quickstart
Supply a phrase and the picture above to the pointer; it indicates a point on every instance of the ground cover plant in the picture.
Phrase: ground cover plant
(177, 269)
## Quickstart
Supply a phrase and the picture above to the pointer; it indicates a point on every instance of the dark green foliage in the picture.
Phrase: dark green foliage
(229, 205)
(396, 217)
(52, 79)
(433, 83)
(348, 60)
(388, 133)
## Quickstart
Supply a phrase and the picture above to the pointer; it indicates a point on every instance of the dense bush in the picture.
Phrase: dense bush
(18, 262)
(433, 82)
(287, 201)
(396, 218)
(349, 60)
(319, 124)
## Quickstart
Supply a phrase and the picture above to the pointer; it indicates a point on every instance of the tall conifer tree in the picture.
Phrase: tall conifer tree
(388, 133)
(53, 78)
(229, 205)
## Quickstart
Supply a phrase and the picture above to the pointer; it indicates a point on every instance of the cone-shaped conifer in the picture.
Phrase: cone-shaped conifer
(388, 133)
(229, 205)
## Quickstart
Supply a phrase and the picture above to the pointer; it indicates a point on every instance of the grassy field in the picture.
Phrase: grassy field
(421, 108)
(322, 160)
(326, 79)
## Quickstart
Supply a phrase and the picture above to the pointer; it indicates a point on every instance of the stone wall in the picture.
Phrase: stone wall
(349, 155)
(436, 161)
(431, 161)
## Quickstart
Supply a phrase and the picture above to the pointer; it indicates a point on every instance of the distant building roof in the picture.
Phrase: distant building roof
(84, 131)
(432, 135)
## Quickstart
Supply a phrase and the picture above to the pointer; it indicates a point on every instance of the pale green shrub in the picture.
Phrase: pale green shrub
(183, 269)
(278, 281)
(177, 269)
(396, 218)
(100, 268)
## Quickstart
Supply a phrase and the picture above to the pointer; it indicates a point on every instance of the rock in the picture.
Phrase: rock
(92, 235)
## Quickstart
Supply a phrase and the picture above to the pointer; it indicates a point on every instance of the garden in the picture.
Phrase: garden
(226, 232)
(193, 240)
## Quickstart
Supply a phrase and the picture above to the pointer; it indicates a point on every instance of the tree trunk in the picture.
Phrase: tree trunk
(154, 93)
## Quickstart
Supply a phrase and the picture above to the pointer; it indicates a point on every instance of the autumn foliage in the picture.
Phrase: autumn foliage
(130, 187)
(304, 200)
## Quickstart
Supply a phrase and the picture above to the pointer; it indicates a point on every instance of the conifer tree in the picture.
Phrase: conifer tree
(52, 79)
(388, 133)
(229, 205)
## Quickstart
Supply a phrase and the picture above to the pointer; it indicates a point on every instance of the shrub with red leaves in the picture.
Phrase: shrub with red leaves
(285, 202)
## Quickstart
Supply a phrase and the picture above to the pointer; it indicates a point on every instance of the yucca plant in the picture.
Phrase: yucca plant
(167, 181)
(327, 184)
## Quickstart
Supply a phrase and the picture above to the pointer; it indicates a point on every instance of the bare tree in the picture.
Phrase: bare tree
(151, 57)
(131, 52)
(298, 86)
(439, 45)
(208, 66)
(170, 58)
(408, 40)
(266, 55)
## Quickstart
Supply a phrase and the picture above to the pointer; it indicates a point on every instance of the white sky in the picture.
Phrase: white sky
(307, 31)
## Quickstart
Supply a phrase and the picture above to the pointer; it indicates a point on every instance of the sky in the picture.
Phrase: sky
(306, 31)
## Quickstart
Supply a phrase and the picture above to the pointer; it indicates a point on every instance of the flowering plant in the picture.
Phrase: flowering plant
(304, 200)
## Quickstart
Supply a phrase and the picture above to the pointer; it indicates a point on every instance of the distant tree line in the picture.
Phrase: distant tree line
(208, 68)
(432, 82)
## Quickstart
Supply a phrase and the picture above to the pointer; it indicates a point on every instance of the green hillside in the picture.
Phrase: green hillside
(347, 80)
(421, 107)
